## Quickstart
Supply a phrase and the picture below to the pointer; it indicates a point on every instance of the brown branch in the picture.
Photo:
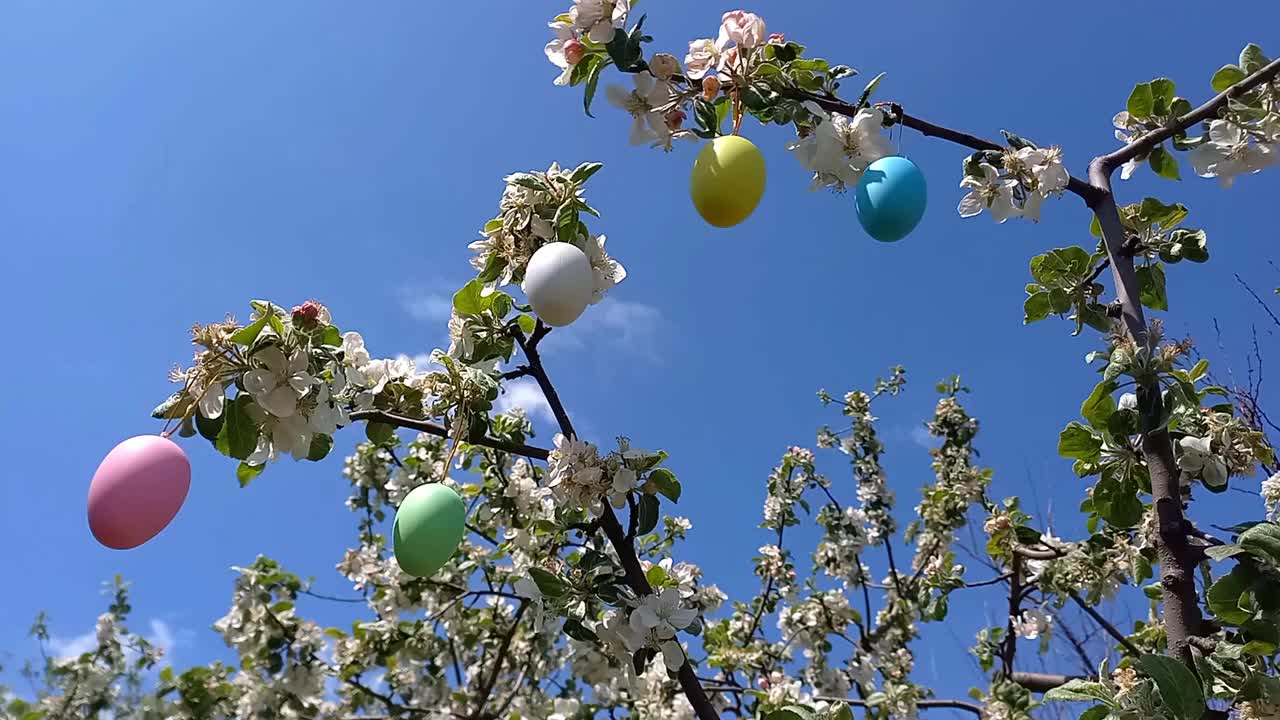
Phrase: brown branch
(487, 688)
(1106, 625)
(1144, 144)
(928, 129)
(1182, 617)
(922, 704)
(1077, 644)
(613, 529)
(438, 430)
(1015, 600)
(1041, 682)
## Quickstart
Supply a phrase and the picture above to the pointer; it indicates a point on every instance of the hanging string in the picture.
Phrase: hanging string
(462, 423)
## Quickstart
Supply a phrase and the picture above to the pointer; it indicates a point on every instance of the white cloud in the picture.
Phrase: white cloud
(73, 647)
(525, 393)
(161, 635)
(616, 324)
(427, 306)
(921, 437)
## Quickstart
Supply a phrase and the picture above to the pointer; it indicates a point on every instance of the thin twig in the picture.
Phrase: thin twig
(1144, 144)
(487, 688)
(438, 430)
(1106, 625)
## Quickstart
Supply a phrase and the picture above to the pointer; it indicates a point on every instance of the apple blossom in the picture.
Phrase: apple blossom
(598, 19)
(746, 30)
(703, 58)
(1229, 152)
(989, 192)
(646, 105)
(565, 51)
(664, 66)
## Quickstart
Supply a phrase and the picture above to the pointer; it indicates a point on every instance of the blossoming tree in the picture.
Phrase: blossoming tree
(568, 599)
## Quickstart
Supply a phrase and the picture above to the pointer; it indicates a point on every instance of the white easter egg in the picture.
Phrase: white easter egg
(559, 283)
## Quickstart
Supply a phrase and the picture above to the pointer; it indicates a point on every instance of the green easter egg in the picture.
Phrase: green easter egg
(428, 527)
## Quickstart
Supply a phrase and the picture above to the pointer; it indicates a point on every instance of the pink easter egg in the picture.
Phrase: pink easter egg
(138, 488)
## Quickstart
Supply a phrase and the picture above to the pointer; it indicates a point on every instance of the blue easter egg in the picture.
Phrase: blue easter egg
(890, 198)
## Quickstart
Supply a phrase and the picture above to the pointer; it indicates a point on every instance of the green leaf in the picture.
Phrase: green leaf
(868, 90)
(1227, 76)
(1163, 163)
(1178, 686)
(1252, 59)
(1078, 690)
(1079, 442)
(1097, 712)
(1151, 287)
(320, 447)
(1190, 244)
(1017, 142)
(1036, 307)
(583, 172)
(493, 267)
(1154, 212)
(246, 472)
(468, 300)
(1162, 94)
(527, 323)
(550, 585)
(1263, 637)
(1262, 540)
(791, 712)
(705, 115)
(666, 483)
(1224, 596)
(379, 433)
(239, 435)
(331, 336)
(1222, 552)
(576, 630)
(1099, 405)
(209, 429)
(246, 335)
(648, 514)
(174, 407)
(1141, 101)
(593, 79)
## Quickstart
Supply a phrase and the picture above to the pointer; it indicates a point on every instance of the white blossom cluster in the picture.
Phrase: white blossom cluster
(530, 204)
(1014, 183)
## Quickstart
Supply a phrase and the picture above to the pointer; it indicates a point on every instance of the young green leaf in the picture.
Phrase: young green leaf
(1179, 687)
(1141, 102)
(647, 508)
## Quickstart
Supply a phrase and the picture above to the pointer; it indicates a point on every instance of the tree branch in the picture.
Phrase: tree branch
(928, 129)
(613, 529)
(1106, 625)
(1144, 144)
(438, 430)
(1041, 682)
(1177, 562)
(922, 704)
(487, 688)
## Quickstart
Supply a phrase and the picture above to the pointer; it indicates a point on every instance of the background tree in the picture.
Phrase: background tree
(567, 598)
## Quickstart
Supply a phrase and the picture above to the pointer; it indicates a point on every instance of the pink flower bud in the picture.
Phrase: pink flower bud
(730, 58)
(710, 87)
(777, 39)
(675, 118)
(663, 66)
(307, 315)
(574, 51)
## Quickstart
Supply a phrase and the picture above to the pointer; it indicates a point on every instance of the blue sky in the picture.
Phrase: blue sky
(163, 163)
